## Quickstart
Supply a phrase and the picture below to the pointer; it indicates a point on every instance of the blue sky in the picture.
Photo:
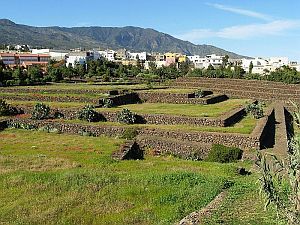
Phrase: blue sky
(248, 27)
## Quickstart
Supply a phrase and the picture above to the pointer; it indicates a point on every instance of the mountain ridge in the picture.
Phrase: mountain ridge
(129, 37)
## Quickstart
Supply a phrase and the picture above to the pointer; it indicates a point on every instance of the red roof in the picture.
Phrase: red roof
(7, 54)
(44, 55)
(27, 55)
(33, 63)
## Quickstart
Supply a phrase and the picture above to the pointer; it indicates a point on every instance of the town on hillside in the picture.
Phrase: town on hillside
(23, 55)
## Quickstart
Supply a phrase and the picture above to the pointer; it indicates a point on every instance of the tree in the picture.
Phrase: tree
(80, 70)
(250, 67)
(35, 74)
(225, 60)
(18, 76)
(55, 74)
(210, 67)
(152, 66)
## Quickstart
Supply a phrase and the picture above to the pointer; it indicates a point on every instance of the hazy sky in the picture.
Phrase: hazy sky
(248, 27)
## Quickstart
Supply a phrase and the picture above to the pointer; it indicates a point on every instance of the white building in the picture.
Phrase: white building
(108, 54)
(54, 53)
(294, 64)
(74, 58)
(260, 65)
(204, 62)
(158, 64)
(278, 62)
(137, 55)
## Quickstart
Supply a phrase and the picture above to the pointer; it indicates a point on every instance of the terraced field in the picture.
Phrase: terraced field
(52, 175)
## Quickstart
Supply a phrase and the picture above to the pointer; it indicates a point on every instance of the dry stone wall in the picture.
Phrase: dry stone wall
(172, 98)
(224, 120)
(45, 98)
(265, 129)
(254, 89)
(186, 144)
(184, 149)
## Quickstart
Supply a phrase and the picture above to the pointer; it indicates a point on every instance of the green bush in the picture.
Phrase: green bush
(20, 125)
(224, 154)
(89, 114)
(7, 110)
(40, 112)
(107, 103)
(199, 93)
(256, 109)
(130, 133)
(126, 116)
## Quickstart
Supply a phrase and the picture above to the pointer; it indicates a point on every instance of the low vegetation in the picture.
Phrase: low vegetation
(126, 116)
(256, 109)
(67, 179)
(199, 93)
(223, 154)
(89, 114)
(8, 110)
(40, 111)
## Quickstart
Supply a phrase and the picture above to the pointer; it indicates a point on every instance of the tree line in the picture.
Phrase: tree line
(105, 70)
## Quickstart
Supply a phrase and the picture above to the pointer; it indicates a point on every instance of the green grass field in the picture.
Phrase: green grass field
(68, 179)
(244, 126)
(213, 110)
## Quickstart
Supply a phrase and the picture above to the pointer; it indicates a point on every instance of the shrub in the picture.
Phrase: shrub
(89, 114)
(40, 112)
(126, 116)
(7, 110)
(20, 125)
(130, 133)
(107, 103)
(255, 109)
(224, 154)
(199, 93)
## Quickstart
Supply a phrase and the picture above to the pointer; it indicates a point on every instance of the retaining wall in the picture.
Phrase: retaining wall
(180, 98)
(183, 143)
(42, 98)
(281, 137)
(226, 119)
(240, 88)
(130, 98)
(184, 149)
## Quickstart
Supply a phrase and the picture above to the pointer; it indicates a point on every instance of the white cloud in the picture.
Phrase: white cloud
(240, 11)
(274, 28)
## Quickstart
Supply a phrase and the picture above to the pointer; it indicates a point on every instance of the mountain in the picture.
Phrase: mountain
(131, 38)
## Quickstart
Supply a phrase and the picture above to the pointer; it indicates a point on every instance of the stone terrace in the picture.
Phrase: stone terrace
(240, 88)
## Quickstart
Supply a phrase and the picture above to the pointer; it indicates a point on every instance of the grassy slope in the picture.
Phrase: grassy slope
(68, 179)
